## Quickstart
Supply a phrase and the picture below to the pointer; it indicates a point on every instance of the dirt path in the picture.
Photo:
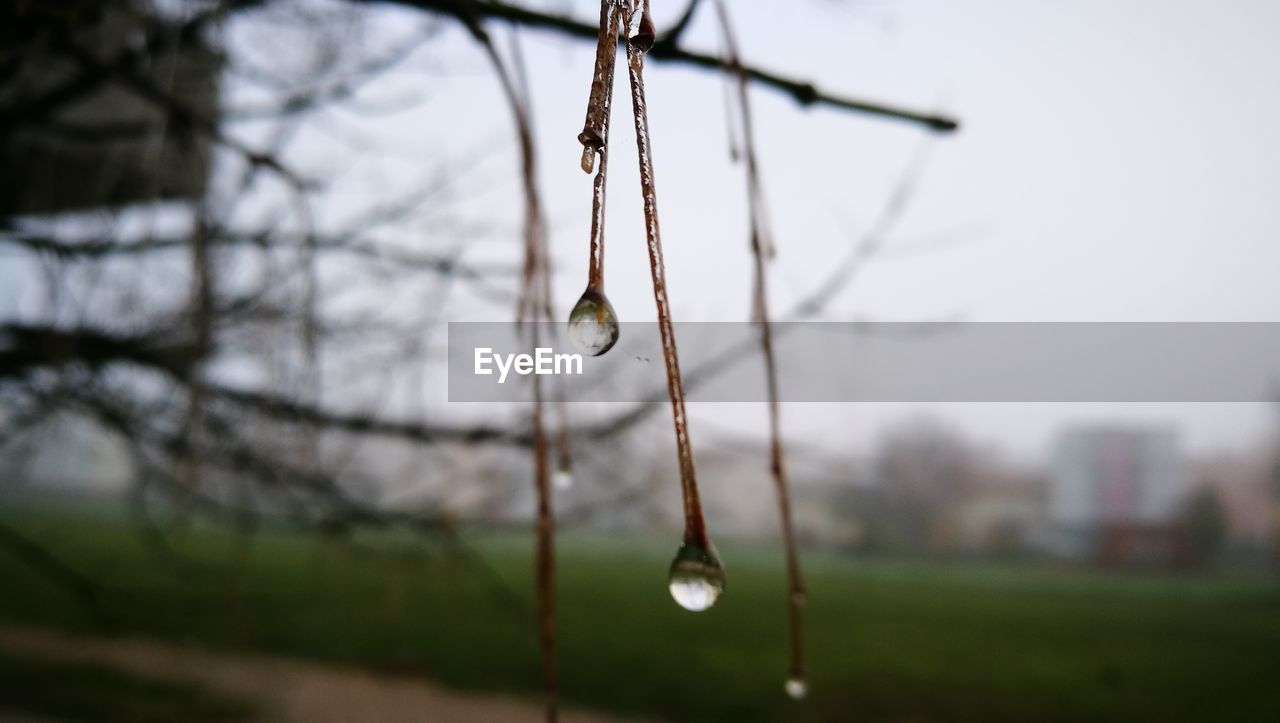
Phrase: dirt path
(287, 690)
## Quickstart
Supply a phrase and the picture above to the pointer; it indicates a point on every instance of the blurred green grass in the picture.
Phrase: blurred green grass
(886, 640)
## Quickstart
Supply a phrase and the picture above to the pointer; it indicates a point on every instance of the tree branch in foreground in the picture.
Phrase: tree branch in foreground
(803, 92)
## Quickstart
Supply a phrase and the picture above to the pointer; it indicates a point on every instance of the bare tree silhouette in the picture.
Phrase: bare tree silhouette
(188, 265)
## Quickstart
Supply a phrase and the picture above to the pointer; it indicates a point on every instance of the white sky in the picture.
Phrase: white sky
(1117, 162)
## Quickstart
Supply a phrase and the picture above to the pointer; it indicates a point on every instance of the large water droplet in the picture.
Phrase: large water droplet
(593, 326)
(696, 578)
(588, 159)
(796, 687)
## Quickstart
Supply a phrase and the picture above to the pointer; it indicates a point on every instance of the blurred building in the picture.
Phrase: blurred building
(1115, 494)
(1243, 485)
(108, 106)
(1001, 511)
(740, 499)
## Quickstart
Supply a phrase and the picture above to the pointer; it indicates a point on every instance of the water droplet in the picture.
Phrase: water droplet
(799, 598)
(588, 159)
(563, 478)
(796, 687)
(593, 326)
(697, 577)
(646, 33)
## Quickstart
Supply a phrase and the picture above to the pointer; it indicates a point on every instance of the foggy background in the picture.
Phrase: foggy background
(232, 236)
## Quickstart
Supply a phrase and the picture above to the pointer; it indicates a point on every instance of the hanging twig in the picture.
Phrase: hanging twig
(595, 135)
(201, 310)
(544, 564)
(761, 245)
(697, 576)
(593, 324)
(536, 239)
(534, 306)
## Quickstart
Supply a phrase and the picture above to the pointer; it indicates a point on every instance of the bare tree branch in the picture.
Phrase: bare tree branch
(803, 92)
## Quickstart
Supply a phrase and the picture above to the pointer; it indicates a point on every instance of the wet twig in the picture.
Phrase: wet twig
(761, 246)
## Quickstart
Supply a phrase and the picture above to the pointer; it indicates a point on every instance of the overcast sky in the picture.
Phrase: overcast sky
(1117, 162)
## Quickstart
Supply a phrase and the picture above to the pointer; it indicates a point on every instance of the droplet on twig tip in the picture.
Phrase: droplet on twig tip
(696, 578)
(646, 34)
(593, 325)
(796, 687)
(563, 478)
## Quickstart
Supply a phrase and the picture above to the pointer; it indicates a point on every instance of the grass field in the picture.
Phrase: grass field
(887, 641)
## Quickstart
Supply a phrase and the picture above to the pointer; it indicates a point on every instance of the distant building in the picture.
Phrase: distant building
(1115, 492)
(740, 499)
(1244, 486)
(104, 144)
(1001, 512)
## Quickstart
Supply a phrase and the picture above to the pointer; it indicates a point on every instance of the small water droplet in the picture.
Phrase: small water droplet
(796, 687)
(799, 598)
(593, 326)
(563, 478)
(646, 33)
(696, 579)
(588, 159)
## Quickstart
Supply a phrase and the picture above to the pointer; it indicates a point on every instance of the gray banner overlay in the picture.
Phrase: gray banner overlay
(887, 362)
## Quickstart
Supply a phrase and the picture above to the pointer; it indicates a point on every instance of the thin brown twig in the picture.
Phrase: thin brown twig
(545, 572)
(595, 136)
(536, 232)
(201, 309)
(761, 242)
(533, 306)
(695, 532)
